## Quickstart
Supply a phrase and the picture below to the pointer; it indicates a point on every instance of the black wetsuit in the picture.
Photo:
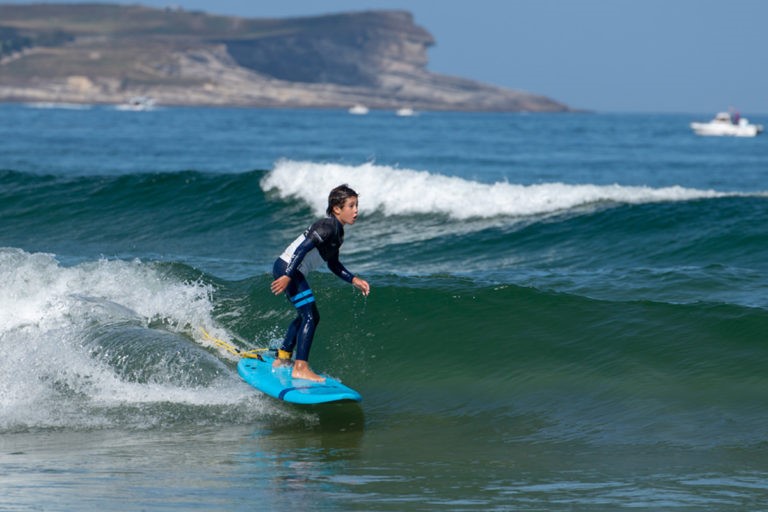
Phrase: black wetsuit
(319, 243)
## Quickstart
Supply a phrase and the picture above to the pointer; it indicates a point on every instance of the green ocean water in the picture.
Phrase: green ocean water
(567, 312)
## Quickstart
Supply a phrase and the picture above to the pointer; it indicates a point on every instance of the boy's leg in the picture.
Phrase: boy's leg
(302, 328)
(310, 318)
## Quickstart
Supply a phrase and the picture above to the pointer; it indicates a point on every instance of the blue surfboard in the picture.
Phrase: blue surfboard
(278, 383)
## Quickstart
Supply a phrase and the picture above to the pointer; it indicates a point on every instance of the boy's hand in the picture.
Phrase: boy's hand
(362, 285)
(279, 285)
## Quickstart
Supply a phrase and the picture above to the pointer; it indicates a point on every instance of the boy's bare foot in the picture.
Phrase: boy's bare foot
(301, 370)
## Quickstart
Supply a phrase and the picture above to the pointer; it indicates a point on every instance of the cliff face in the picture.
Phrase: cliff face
(351, 49)
(106, 53)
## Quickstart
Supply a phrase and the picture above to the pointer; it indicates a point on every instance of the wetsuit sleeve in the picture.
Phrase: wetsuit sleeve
(340, 270)
(298, 256)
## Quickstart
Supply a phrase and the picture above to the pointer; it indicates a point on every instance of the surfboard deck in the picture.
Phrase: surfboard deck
(278, 383)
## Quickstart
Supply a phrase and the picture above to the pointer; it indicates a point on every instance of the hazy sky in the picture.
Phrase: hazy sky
(693, 56)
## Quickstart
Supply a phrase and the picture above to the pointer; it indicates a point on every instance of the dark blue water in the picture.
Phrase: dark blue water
(568, 311)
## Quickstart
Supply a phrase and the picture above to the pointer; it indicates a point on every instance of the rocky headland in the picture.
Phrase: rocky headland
(102, 53)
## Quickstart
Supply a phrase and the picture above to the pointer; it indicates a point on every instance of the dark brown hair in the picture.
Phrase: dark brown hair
(338, 197)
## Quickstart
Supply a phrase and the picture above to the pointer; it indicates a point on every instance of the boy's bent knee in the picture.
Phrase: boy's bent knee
(310, 313)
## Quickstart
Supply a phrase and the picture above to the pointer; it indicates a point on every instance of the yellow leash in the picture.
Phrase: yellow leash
(253, 354)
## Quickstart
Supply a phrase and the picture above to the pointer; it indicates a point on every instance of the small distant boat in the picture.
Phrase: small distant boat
(138, 104)
(727, 124)
(359, 110)
(405, 112)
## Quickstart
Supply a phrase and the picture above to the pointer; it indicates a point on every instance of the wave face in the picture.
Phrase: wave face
(118, 343)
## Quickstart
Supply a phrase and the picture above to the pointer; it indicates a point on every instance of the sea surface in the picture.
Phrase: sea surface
(568, 311)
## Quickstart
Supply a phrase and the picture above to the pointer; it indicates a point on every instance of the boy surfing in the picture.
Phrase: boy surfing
(319, 243)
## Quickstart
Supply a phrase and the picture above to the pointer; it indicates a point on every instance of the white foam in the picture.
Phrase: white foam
(394, 191)
(48, 375)
(38, 291)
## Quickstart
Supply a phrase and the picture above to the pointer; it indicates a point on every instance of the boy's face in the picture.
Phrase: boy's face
(347, 214)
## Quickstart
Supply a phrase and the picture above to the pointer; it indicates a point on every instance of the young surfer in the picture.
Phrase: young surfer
(319, 243)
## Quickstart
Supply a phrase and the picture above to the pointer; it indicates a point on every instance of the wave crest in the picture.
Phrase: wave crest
(393, 191)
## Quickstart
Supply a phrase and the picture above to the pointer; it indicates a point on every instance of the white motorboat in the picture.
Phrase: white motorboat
(725, 124)
(359, 110)
(405, 112)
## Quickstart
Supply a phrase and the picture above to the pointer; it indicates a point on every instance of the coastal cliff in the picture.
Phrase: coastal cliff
(100, 53)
